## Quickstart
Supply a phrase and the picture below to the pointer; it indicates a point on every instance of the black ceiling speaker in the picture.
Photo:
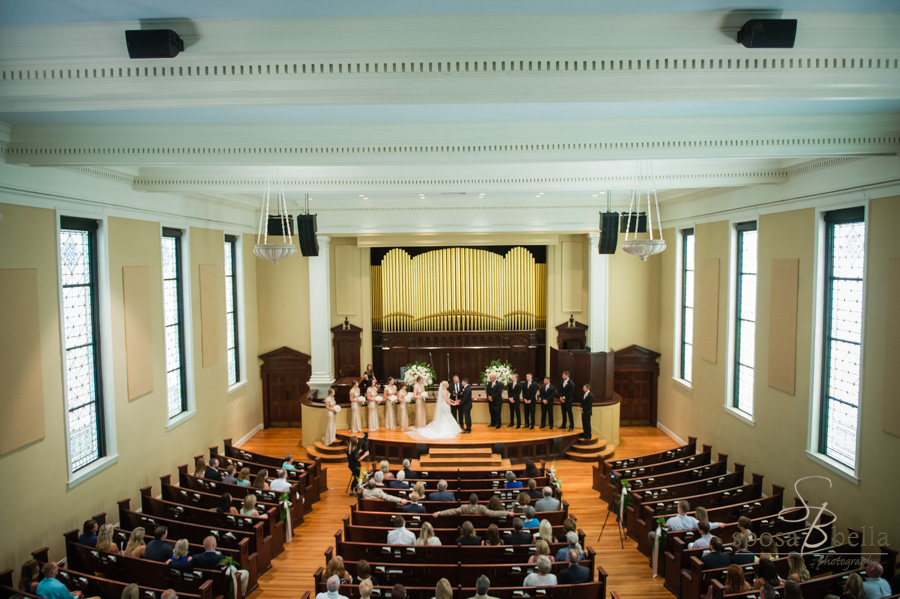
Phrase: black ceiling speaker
(768, 33)
(306, 234)
(153, 43)
(609, 232)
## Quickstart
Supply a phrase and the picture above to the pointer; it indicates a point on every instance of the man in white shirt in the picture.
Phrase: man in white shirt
(682, 521)
(400, 536)
(705, 536)
(280, 484)
(333, 585)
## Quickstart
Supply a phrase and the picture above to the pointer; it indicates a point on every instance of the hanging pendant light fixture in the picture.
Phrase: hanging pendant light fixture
(274, 252)
(644, 182)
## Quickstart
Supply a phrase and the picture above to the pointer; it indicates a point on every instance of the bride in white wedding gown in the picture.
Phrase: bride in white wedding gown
(443, 425)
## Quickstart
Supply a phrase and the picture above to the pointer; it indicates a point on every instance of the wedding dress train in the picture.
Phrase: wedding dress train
(443, 425)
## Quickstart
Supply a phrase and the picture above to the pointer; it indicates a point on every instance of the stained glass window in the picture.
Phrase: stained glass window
(84, 401)
(745, 313)
(231, 313)
(842, 352)
(687, 303)
(173, 315)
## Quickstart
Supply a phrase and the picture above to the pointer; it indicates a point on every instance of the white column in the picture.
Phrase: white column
(320, 349)
(598, 296)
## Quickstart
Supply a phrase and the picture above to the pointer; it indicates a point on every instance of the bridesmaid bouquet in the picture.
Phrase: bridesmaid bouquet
(425, 394)
(337, 409)
(379, 399)
(392, 398)
(362, 400)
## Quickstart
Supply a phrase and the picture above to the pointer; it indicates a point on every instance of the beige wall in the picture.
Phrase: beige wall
(775, 445)
(36, 475)
(634, 299)
(282, 294)
(351, 295)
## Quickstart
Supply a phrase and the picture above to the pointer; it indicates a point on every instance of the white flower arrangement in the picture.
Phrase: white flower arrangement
(362, 400)
(392, 398)
(379, 399)
(416, 370)
(425, 394)
(337, 409)
(502, 371)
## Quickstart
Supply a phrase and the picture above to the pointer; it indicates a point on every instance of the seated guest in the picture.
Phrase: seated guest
(131, 591)
(874, 585)
(735, 581)
(473, 507)
(573, 545)
(531, 470)
(443, 590)
(333, 585)
(398, 592)
(797, 568)
(400, 536)
(288, 463)
(378, 477)
(158, 550)
(364, 572)
(442, 494)
(426, 535)
(545, 531)
(50, 588)
(419, 488)
(530, 520)
(180, 555)
(495, 503)
(518, 536)
(105, 541)
(716, 557)
(569, 525)
(744, 526)
(522, 501)
(482, 586)
(682, 521)
(88, 534)
(792, 590)
(210, 559)
(398, 482)
(853, 588)
(249, 507)
(230, 477)
(212, 470)
(365, 589)
(407, 473)
(385, 467)
(542, 577)
(136, 545)
(548, 503)
(742, 556)
(766, 574)
(767, 547)
(414, 507)
(705, 537)
(260, 481)
(541, 547)
(280, 484)
(492, 535)
(511, 482)
(169, 594)
(243, 478)
(467, 535)
(335, 567)
(768, 592)
(532, 490)
(373, 492)
(700, 514)
(226, 506)
(30, 576)
(199, 467)
(575, 573)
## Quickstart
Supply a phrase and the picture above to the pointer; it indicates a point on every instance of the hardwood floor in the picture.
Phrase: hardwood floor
(629, 572)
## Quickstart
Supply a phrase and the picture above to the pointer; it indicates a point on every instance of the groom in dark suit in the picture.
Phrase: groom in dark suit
(494, 391)
(464, 409)
(455, 390)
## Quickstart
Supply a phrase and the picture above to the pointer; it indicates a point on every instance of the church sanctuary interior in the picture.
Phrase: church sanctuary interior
(650, 246)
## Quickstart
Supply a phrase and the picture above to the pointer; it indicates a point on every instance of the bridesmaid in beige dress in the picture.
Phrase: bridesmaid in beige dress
(419, 395)
(355, 416)
(390, 392)
(371, 394)
(403, 408)
(330, 426)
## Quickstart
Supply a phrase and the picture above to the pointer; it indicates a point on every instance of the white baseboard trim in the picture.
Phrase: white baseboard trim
(255, 430)
(669, 432)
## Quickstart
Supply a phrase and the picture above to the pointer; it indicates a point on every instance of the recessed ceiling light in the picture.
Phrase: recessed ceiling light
(362, 195)
(594, 196)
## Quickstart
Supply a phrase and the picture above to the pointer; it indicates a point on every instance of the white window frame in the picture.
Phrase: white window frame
(732, 322)
(679, 298)
(239, 306)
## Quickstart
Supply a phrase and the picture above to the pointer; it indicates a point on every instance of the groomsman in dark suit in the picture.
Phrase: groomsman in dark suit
(566, 397)
(465, 407)
(455, 390)
(514, 393)
(587, 403)
(494, 391)
(546, 391)
(529, 399)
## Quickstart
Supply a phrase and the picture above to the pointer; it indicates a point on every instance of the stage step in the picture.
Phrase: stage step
(490, 460)
(467, 452)
(335, 453)
(589, 446)
(597, 456)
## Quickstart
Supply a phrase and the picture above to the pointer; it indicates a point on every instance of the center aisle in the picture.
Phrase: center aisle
(292, 571)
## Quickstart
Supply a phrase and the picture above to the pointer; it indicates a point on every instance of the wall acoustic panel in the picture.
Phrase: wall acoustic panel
(209, 313)
(783, 324)
(706, 312)
(891, 401)
(346, 279)
(571, 275)
(22, 391)
(138, 336)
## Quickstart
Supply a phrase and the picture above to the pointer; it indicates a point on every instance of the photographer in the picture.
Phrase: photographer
(357, 451)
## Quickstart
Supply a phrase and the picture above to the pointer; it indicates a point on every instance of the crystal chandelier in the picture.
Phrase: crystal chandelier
(274, 251)
(644, 183)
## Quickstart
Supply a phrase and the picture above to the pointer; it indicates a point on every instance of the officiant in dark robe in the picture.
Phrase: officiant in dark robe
(455, 390)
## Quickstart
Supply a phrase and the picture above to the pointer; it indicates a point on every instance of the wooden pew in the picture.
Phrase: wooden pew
(81, 558)
(610, 486)
(484, 495)
(95, 586)
(308, 488)
(414, 521)
(664, 481)
(815, 588)
(388, 507)
(188, 481)
(195, 534)
(447, 536)
(313, 466)
(268, 532)
(601, 472)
